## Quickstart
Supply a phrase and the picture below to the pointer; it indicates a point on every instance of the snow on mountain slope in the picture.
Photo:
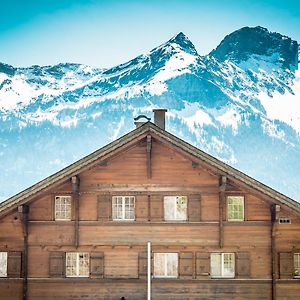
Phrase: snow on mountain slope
(240, 103)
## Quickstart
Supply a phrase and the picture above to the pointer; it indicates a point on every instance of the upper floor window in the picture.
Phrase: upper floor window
(175, 208)
(77, 264)
(166, 265)
(123, 208)
(235, 208)
(222, 265)
(3, 264)
(297, 264)
(63, 208)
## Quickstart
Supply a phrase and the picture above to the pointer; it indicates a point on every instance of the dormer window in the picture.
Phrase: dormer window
(63, 208)
(235, 208)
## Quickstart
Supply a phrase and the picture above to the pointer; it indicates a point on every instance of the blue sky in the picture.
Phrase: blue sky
(106, 33)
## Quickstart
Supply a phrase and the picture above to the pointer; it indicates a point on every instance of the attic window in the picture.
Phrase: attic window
(175, 208)
(285, 221)
(63, 208)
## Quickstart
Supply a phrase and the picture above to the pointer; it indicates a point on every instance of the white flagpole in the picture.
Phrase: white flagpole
(149, 271)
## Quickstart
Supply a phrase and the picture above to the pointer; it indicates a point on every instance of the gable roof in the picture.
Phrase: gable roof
(131, 138)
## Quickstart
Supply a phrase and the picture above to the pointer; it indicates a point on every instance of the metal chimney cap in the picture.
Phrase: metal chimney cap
(159, 109)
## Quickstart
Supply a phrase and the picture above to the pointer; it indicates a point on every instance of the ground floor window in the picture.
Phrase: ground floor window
(166, 265)
(222, 265)
(77, 264)
(3, 264)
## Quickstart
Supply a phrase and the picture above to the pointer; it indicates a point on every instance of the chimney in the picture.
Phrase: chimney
(159, 117)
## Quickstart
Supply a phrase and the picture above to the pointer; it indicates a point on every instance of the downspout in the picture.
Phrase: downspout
(222, 189)
(23, 211)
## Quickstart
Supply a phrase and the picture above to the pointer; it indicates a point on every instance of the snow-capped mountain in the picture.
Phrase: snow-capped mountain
(240, 103)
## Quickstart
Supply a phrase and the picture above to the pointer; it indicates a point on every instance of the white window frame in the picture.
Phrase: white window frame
(222, 267)
(3, 264)
(297, 265)
(231, 206)
(166, 255)
(77, 264)
(114, 206)
(175, 214)
(64, 206)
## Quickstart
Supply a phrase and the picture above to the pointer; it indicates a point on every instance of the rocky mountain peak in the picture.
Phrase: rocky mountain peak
(183, 42)
(248, 41)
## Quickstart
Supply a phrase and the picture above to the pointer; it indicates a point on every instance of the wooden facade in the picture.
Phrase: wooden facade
(145, 167)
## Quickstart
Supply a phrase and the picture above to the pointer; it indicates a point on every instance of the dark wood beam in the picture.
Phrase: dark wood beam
(274, 263)
(75, 196)
(149, 150)
(222, 189)
(23, 213)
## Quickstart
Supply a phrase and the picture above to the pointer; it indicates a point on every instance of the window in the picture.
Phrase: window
(235, 208)
(285, 221)
(123, 207)
(166, 265)
(175, 208)
(3, 264)
(63, 208)
(77, 264)
(297, 265)
(222, 265)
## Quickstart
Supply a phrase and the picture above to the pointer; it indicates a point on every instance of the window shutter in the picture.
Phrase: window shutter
(286, 264)
(97, 264)
(14, 264)
(202, 264)
(141, 208)
(143, 264)
(243, 265)
(57, 264)
(186, 266)
(194, 208)
(156, 207)
(104, 208)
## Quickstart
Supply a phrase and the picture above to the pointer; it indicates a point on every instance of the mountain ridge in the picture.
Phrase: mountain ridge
(220, 105)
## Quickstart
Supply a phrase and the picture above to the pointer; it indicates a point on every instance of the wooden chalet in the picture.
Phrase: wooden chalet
(149, 217)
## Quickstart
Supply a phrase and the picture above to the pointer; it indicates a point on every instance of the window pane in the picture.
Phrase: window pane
(159, 264)
(181, 208)
(172, 264)
(228, 265)
(215, 265)
(84, 268)
(3, 264)
(169, 208)
(297, 264)
(235, 208)
(71, 264)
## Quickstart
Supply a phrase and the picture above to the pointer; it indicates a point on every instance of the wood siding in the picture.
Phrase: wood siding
(117, 248)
